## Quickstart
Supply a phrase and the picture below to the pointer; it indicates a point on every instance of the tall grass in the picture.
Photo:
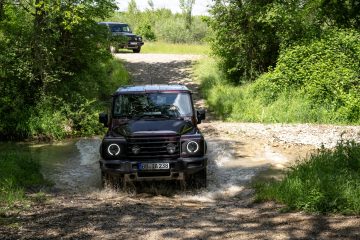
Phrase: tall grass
(250, 103)
(18, 171)
(179, 48)
(328, 181)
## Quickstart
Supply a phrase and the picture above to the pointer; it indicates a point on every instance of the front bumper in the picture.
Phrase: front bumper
(179, 168)
(133, 45)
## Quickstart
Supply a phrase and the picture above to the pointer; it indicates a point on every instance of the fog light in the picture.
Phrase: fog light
(113, 149)
(171, 148)
(136, 149)
(192, 147)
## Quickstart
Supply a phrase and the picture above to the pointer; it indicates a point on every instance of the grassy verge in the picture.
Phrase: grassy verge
(162, 47)
(327, 182)
(253, 102)
(18, 172)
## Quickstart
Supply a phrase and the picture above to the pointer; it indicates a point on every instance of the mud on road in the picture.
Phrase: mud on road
(225, 210)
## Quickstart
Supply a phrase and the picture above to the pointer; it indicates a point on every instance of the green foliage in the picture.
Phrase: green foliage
(18, 171)
(187, 6)
(328, 181)
(245, 45)
(76, 114)
(146, 31)
(162, 25)
(325, 71)
(249, 34)
(55, 66)
(179, 48)
(266, 101)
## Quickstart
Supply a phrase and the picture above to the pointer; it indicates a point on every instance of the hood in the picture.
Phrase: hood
(152, 127)
(123, 34)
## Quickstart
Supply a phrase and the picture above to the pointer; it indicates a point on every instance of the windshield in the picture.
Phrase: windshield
(153, 104)
(119, 28)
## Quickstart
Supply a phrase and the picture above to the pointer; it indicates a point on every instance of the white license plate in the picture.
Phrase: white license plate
(152, 166)
(133, 43)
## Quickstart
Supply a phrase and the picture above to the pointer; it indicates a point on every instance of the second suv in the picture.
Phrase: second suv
(122, 37)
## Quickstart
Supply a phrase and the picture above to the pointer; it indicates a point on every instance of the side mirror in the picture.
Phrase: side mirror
(103, 118)
(200, 115)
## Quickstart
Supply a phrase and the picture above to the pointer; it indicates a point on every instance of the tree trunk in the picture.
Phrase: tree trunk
(2, 10)
(39, 58)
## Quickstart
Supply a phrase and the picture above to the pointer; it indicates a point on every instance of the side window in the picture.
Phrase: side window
(121, 105)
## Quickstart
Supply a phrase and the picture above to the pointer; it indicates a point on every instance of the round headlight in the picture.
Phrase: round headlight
(192, 147)
(171, 148)
(136, 149)
(114, 149)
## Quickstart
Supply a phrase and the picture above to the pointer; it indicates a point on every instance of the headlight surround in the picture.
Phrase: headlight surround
(192, 147)
(114, 149)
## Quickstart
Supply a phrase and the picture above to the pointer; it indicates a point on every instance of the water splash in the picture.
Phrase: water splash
(89, 151)
(224, 181)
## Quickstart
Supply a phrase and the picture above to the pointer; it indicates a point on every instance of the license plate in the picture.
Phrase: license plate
(133, 43)
(152, 166)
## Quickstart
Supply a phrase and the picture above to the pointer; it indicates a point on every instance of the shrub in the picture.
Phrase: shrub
(76, 113)
(146, 31)
(326, 71)
(328, 181)
(316, 82)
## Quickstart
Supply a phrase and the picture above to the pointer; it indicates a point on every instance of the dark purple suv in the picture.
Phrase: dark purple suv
(153, 135)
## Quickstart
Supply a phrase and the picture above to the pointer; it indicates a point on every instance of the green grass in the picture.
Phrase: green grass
(327, 182)
(162, 47)
(18, 172)
(253, 102)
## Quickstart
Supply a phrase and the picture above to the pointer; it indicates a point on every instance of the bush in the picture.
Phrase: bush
(327, 181)
(76, 113)
(326, 72)
(163, 26)
(146, 31)
(316, 82)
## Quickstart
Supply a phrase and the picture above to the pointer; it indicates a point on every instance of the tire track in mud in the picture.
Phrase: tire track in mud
(225, 210)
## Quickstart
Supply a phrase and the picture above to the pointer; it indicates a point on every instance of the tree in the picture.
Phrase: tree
(186, 6)
(151, 5)
(250, 34)
(245, 45)
(45, 46)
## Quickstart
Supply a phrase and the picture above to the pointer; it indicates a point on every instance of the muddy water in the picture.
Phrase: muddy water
(73, 166)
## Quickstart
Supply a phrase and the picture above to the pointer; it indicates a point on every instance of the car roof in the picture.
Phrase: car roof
(152, 88)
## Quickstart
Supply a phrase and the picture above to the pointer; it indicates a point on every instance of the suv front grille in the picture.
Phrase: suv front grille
(151, 147)
(132, 39)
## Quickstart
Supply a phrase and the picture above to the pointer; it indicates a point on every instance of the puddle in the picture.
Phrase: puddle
(73, 166)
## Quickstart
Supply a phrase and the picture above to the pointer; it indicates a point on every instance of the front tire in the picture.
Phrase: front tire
(111, 181)
(197, 180)
(137, 50)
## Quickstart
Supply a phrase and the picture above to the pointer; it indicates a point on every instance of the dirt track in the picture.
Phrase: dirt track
(237, 152)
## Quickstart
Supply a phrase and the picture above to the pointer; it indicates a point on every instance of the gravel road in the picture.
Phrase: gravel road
(225, 210)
